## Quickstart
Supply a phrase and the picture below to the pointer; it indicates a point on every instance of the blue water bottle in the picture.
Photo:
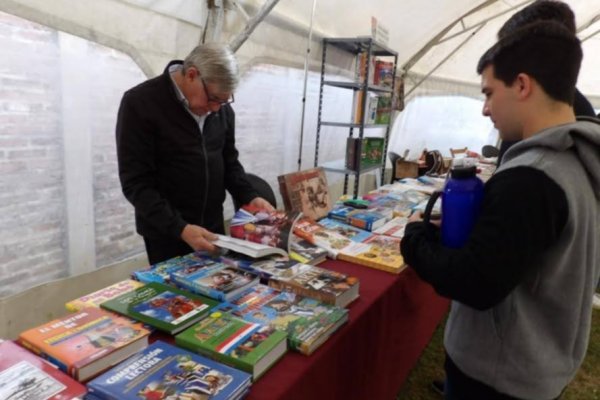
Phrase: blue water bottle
(461, 201)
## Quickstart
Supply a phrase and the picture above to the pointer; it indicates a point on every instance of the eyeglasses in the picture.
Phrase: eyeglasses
(214, 99)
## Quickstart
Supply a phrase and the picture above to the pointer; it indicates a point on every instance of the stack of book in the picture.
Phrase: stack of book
(85, 343)
(244, 345)
(308, 322)
(163, 307)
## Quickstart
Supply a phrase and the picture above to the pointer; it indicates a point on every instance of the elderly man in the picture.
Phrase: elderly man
(177, 155)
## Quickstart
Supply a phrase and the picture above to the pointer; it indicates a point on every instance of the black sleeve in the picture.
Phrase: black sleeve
(235, 176)
(137, 169)
(523, 213)
(582, 105)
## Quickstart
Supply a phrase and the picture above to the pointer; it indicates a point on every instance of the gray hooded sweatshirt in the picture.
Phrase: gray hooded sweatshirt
(531, 344)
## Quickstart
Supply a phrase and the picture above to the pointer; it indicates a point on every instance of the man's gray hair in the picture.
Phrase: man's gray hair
(216, 63)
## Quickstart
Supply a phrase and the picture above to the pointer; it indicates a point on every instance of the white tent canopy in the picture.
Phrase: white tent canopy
(154, 31)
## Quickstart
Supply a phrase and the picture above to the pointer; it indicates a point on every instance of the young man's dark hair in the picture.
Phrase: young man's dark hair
(541, 10)
(545, 50)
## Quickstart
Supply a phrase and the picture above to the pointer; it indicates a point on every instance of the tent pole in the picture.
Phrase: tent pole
(306, 61)
(239, 40)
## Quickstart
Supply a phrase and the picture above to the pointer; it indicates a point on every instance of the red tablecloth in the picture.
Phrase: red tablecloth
(369, 357)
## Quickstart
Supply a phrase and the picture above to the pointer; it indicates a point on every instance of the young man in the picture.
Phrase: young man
(177, 155)
(522, 286)
(545, 10)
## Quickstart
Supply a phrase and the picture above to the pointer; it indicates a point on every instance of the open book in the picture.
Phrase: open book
(259, 233)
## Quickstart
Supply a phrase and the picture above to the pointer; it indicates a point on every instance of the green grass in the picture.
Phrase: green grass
(585, 386)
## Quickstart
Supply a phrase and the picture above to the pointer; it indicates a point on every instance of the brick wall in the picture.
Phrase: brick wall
(33, 244)
(32, 228)
(116, 238)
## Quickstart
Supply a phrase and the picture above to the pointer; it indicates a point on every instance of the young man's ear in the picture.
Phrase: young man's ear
(523, 85)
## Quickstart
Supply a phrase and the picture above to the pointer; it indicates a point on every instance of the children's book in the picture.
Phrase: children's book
(308, 322)
(306, 191)
(305, 252)
(163, 371)
(164, 307)
(308, 280)
(394, 227)
(87, 342)
(351, 232)
(379, 252)
(220, 281)
(98, 297)
(244, 345)
(25, 376)
(258, 233)
(316, 234)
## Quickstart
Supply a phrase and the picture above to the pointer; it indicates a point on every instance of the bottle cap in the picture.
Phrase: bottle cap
(463, 172)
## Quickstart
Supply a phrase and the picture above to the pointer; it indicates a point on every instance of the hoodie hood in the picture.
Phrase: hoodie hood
(581, 137)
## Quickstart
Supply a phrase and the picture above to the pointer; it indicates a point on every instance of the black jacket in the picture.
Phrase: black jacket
(170, 171)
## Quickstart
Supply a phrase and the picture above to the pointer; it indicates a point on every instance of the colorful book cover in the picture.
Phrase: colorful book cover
(271, 228)
(340, 212)
(98, 297)
(351, 232)
(380, 252)
(321, 237)
(85, 343)
(164, 307)
(306, 191)
(308, 322)
(25, 376)
(163, 371)
(161, 272)
(248, 346)
(305, 252)
(221, 282)
(394, 227)
(328, 286)
(367, 220)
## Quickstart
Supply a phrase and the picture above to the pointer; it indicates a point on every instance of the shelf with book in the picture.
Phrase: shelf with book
(372, 86)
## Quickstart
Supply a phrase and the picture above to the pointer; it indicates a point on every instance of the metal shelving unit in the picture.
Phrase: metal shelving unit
(355, 46)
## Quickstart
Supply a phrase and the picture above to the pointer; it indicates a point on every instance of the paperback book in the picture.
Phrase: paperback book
(306, 191)
(308, 322)
(259, 233)
(220, 281)
(328, 286)
(394, 228)
(163, 307)
(351, 232)
(25, 376)
(244, 345)
(98, 297)
(163, 371)
(305, 252)
(87, 342)
(379, 252)
(161, 272)
(321, 237)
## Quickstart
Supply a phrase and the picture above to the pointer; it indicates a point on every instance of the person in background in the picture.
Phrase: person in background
(522, 286)
(545, 10)
(176, 152)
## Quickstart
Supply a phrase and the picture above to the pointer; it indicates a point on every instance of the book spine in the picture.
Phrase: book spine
(283, 189)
